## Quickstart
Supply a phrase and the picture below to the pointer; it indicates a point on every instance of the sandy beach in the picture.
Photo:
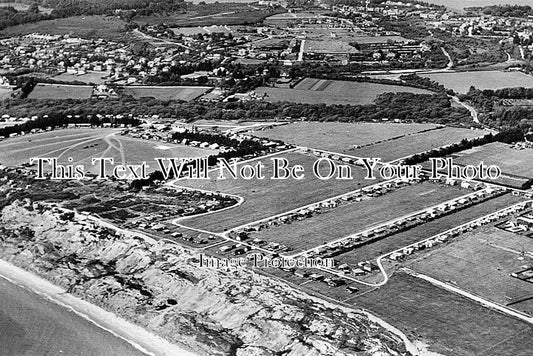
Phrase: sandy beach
(84, 327)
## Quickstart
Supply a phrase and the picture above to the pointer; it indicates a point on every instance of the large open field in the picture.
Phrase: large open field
(358, 216)
(481, 262)
(337, 136)
(84, 144)
(511, 161)
(417, 143)
(449, 323)
(264, 198)
(424, 231)
(90, 77)
(321, 91)
(186, 93)
(61, 91)
(106, 27)
(462, 81)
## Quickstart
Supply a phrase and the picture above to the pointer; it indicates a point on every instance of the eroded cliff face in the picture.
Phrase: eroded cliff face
(158, 286)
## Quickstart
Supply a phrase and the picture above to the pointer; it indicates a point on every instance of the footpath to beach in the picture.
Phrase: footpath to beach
(138, 340)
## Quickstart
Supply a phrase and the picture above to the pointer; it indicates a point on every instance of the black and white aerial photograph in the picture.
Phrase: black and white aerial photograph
(266, 178)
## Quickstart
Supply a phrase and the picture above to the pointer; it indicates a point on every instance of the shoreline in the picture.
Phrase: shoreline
(141, 339)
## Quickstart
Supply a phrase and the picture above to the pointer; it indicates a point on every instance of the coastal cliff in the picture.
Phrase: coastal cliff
(158, 285)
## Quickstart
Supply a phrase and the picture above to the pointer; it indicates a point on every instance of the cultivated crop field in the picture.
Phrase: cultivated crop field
(449, 323)
(61, 91)
(461, 82)
(417, 143)
(478, 263)
(265, 198)
(511, 161)
(358, 216)
(185, 93)
(337, 136)
(84, 144)
(426, 230)
(320, 91)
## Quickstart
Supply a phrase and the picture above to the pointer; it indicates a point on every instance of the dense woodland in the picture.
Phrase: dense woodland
(502, 117)
(406, 107)
(504, 10)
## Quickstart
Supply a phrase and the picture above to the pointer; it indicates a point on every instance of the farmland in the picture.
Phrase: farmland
(267, 197)
(426, 230)
(337, 136)
(451, 324)
(185, 93)
(61, 91)
(478, 263)
(321, 91)
(417, 143)
(511, 161)
(461, 82)
(84, 144)
(110, 28)
(357, 216)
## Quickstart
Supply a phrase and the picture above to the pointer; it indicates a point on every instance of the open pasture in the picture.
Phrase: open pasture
(479, 263)
(320, 91)
(94, 77)
(449, 323)
(84, 144)
(107, 27)
(266, 197)
(417, 143)
(185, 93)
(338, 136)
(61, 91)
(426, 230)
(511, 161)
(461, 82)
(358, 216)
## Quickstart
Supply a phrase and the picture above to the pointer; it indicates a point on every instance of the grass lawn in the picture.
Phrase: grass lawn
(358, 216)
(449, 323)
(462, 81)
(84, 144)
(477, 262)
(417, 143)
(61, 91)
(110, 28)
(185, 93)
(319, 91)
(424, 231)
(338, 136)
(510, 161)
(267, 197)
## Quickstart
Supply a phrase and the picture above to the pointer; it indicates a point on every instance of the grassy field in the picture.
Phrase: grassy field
(478, 263)
(449, 323)
(462, 81)
(319, 91)
(358, 216)
(105, 27)
(417, 143)
(510, 161)
(5, 93)
(186, 93)
(424, 231)
(84, 144)
(61, 91)
(337, 136)
(90, 77)
(264, 198)
(211, 13)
